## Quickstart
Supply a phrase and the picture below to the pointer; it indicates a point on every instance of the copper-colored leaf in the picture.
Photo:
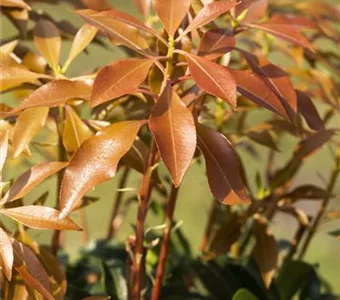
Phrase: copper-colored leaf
(119, 78)
(212, 77)
(254, 88)
(31, 270)
(82, 39)
(115, 28)
(40, 217)
(171, 13)
(48, 41)
(55, 93)
(3, 147)
(14, 3)
(209, 13)
(6, 254)
(255, 11)
(28, 125)
(172, 125)
(143, 6)
(292, 21)
(265, 251)
(223, 167)
(33, 177)
(96, 160)
(309, 111)
(75, 131)
(215, 43)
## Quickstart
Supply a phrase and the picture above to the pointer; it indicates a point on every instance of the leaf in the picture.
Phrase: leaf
(119, 26)
(287, 33)
(28, 125)
(254, 88)
(55, 93)
(137, 156)
(256, 11)
(6, 254)
(209, 13)
(82, 39)
(171, 13)
(212, 77)
(291, 278)
(215, 43)
(173, 127)
(333, 214)
(40, 217)
(309, 111)
(265, 251)
(86, 201)
(335, 233)
(32, 178)
(3, 147)
(15, 3)
(143, 6)
(31, 270)
(19, 18)
(244, 294)
(97, 160)
(48, 41)
(306, 192)
(297, 213)
(75, 131)
(222, 164)
(119, 78)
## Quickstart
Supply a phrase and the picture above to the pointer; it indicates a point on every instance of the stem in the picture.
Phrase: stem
(165, 244)
(210, 225)
(117, 204)
(144, 194)
(324, 204)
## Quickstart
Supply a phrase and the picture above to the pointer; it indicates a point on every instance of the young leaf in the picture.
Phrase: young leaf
(119, 78)
(215, 43)
(171, 13)
(222, 164)
(254, 88)
(83, 38)
(31, 178)
(265, 251)
(209, 13)
(212, 77)
(40, 217)
(96, 160)
(31, 270)
(173, 127)
(48, 41)
(116, 27)
(3, 147)
(309, 111)
(75, 131)
(55, 93)
(28, 125)
(6, 254)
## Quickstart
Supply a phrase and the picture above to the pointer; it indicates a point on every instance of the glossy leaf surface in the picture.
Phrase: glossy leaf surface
(173, 127)
(222, 164)
(119, 78)
(97, 161)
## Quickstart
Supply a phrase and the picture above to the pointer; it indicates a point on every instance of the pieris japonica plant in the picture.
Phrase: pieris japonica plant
(194, 74)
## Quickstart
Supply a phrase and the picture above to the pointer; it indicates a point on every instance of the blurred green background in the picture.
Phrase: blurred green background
(194, 198)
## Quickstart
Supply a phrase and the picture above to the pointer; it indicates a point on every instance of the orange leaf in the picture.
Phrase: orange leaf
(223, 169)
(3, 147)
(255, 11)
(6, 254)
(119, 78)
(96, 160)
(171, 13)
(40, 217)
(15, 3)
(31, 178)
(173, 127)
(212, 77)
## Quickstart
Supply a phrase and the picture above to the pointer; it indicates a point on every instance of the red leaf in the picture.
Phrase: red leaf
(212, 77)
(215, 43)
(173, 127)
(223, 168)
(96, 160)
(119, 78)
(171, 13)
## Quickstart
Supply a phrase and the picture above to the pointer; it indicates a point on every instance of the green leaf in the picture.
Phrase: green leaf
(244, 294)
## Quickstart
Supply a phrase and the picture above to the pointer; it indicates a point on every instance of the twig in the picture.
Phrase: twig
(165, 244)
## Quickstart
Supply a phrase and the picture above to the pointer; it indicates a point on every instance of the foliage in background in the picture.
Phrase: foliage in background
(195, 74)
